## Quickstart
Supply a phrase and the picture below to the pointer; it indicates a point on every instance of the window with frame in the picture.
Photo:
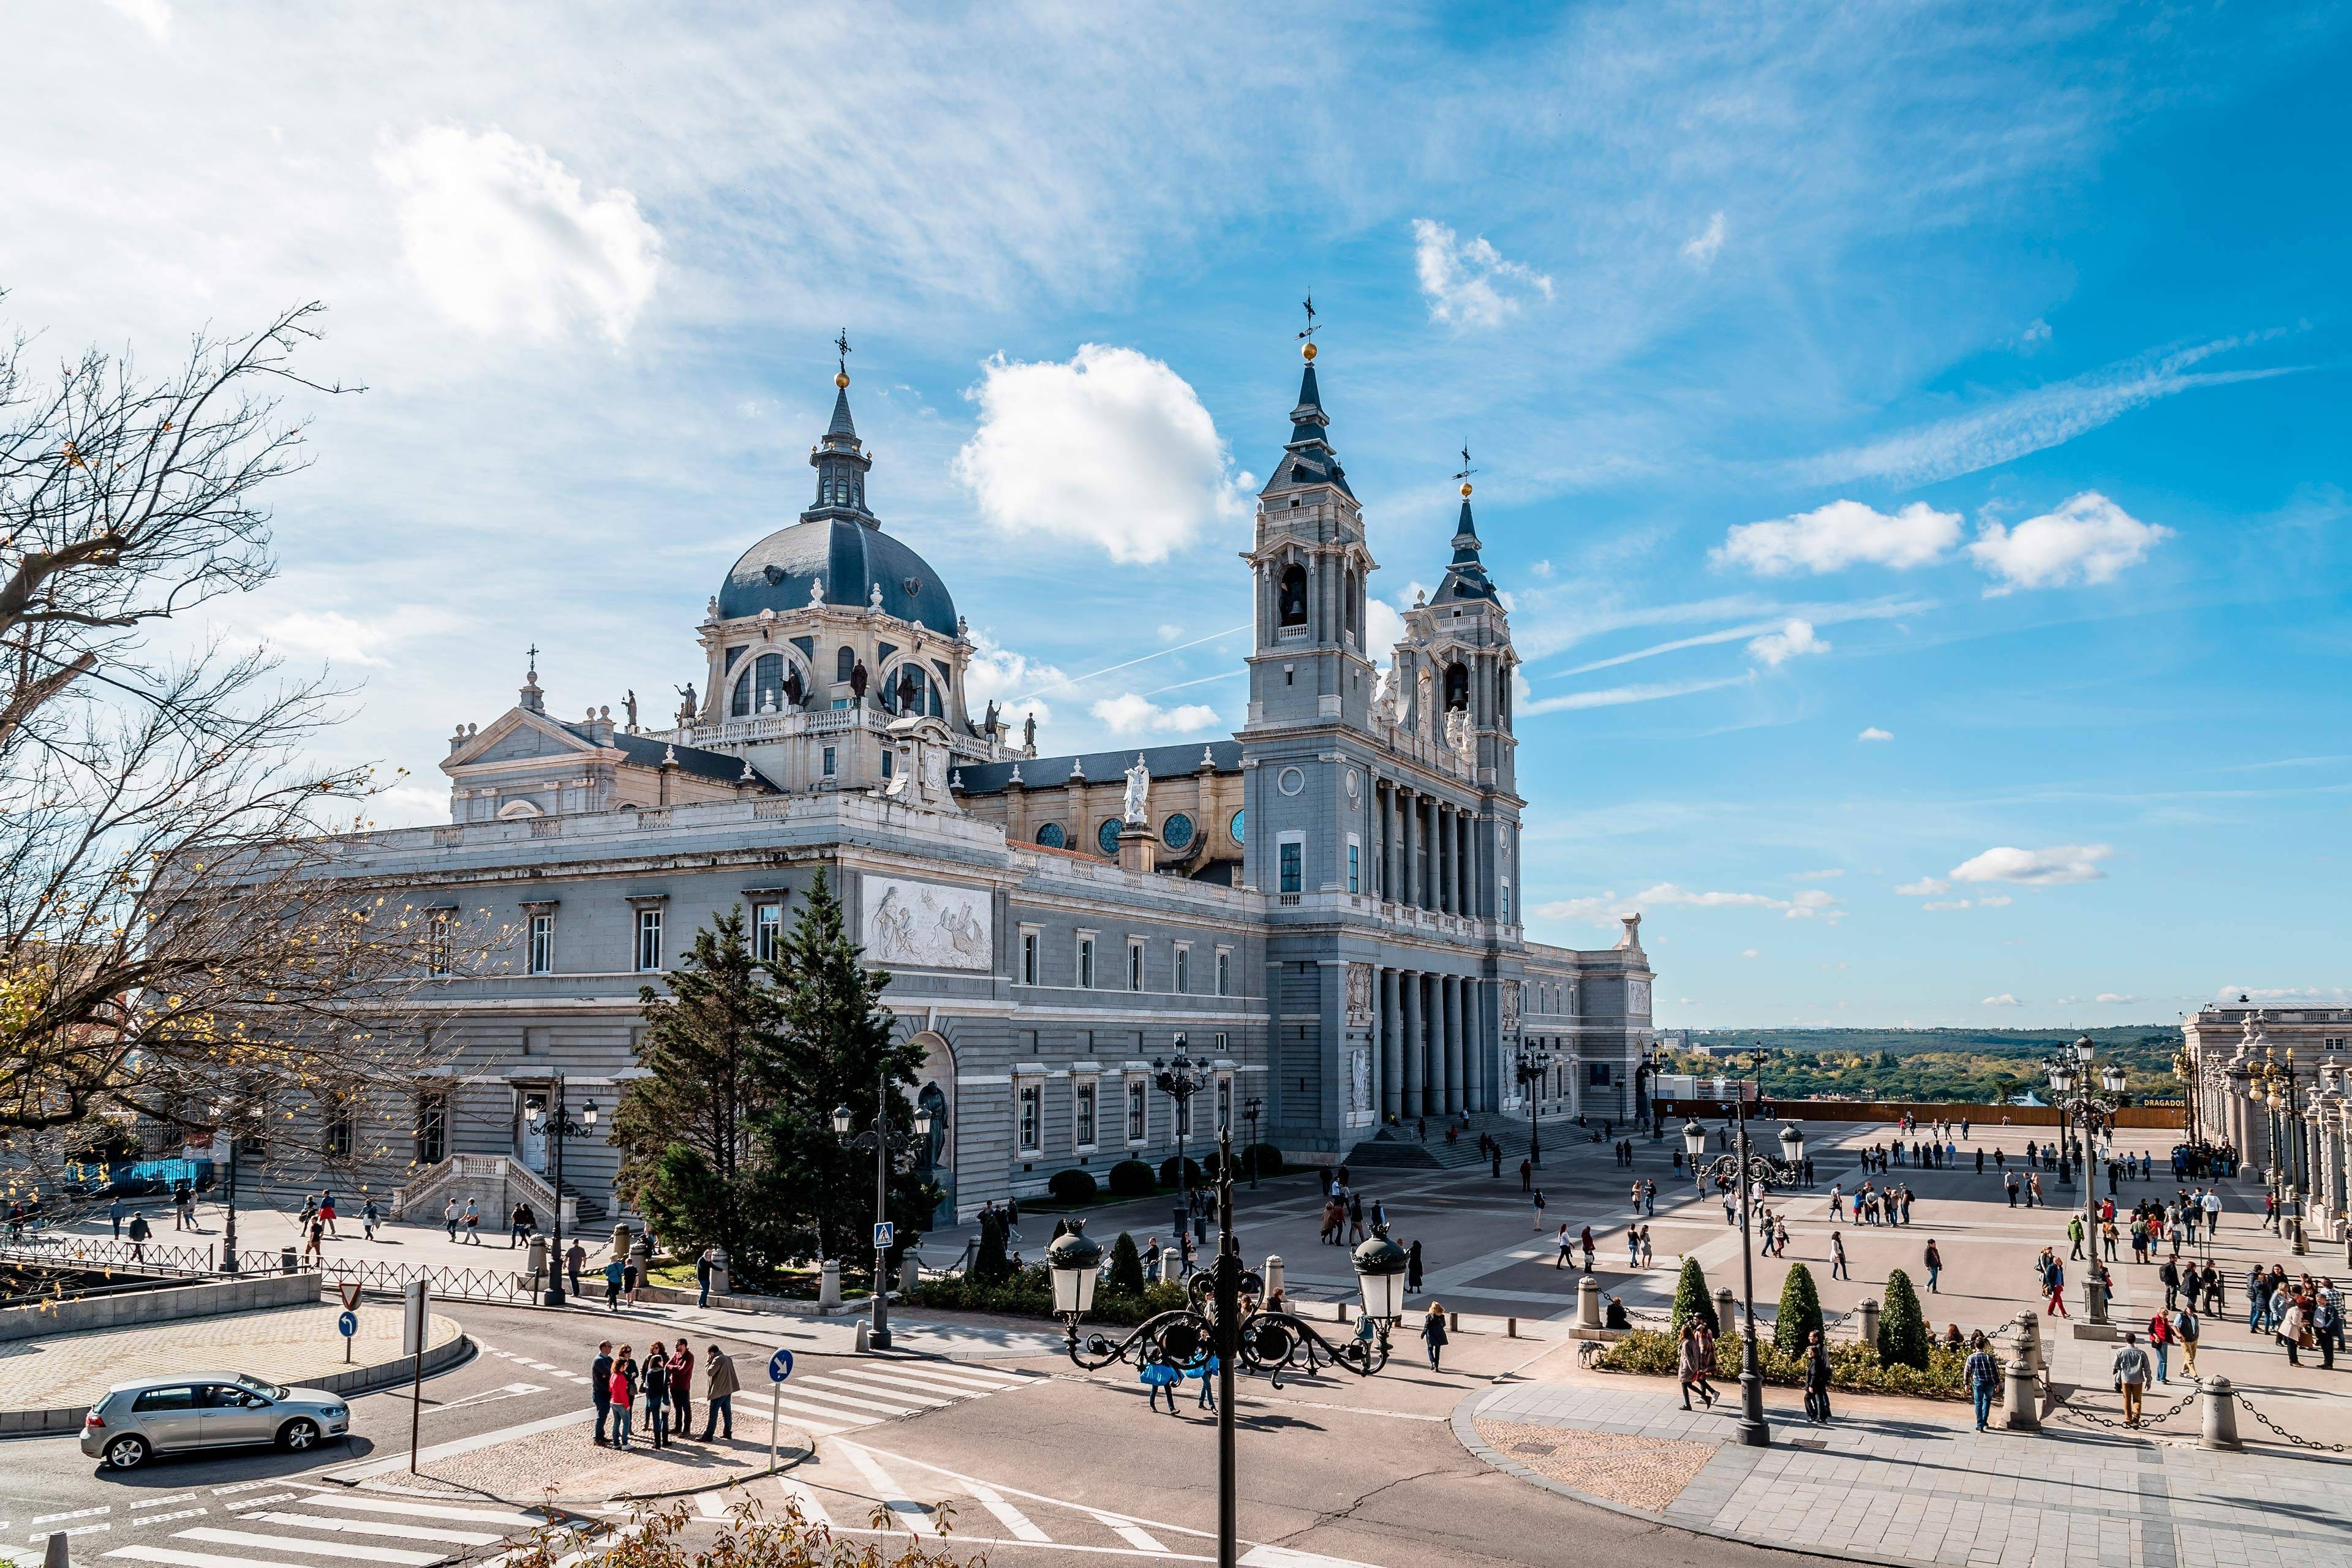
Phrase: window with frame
(1033, 1105)
(767, 929)
(438, 940)
(1085, 962)
(341, 1128)
(1221, 1037)
(1029, 958)
(832, 761)
(1225, 972)
(1085, 1115)
(1294, 859)
(1183, 968)
(1355, 872)
(1136, 1112)
(1507, 900)
(1135, 966)
(649, 940)
(432, 1128)
(1597, 1074)
(543, 941)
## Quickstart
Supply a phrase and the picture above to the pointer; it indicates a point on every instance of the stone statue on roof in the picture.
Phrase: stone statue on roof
(1139, 789)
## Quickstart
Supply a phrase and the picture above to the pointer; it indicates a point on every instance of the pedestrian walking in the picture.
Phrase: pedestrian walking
(575, 1258)
(2159, 1343)
(1981, 1372)
(314, 1248)
(1817, 1378)
(1539, 1208)
(117, 1211)
(2131, 1377)
(1647, 1254)
(2186, 1330)
(518, 1226)
(2054, 1279)
(449, 1217)
(1161, 1376)
(327, 1213)
(1412, 1268)
(1934, 1262)
(719, 1384)
(1433, 1333)
(369, 1216)
(1567, 1248)
(600, 1387)
(1692, 1365)
(613, 1286)
(2074, 1234)
(702, 1278)
(1526, 1176)
(1207, 1373)
(472, 1219)
(139, 1232)
(1837, 1257)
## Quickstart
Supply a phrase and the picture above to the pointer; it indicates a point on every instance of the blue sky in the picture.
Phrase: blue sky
(1911, 437)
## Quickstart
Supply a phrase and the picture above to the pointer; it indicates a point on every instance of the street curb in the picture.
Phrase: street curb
(790, 1458)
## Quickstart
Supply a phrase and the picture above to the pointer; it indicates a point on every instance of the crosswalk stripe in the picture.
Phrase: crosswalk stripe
(349, 1551)
(892, 1496)
(833, 1420)
(163, 1501)
(168, 1518)
(370, 1526)
(1134, 1535)
(1013, 1519)
(876, 1385)
(940, 1373)
(829, 1397)
(425, 1510)
(799, 1492)
(709, 1506)
(179, 1559)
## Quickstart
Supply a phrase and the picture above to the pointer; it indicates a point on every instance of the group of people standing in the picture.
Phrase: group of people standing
(663, 1384)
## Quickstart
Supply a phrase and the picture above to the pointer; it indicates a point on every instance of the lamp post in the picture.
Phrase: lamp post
(228, 1215)
(1180, 1081)
(1533, 1064)
(2091, 1114)
(887, 1144)
(1270, 1341)
(1657, 1110)
(1250, 1108)
(559, 1121)
(2275, 1089)
(1752, 1171)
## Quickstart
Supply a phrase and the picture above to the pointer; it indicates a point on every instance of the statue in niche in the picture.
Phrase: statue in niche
(629, 706)
(1423, 689)
(911, 696)
(792, 688)
(1138, 790)
(988, 725)
(858, 679)
(687, 707)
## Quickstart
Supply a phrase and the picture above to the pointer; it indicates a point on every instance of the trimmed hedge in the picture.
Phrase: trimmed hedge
(1192, 1171)
(1800, 1314)
(1903, 1330)
(1131, 1179)
(1691, 1300)
(1029, 1293)
(1072, 1187)
(1126, 1276)
(1853, 1367)
(1269, 1161)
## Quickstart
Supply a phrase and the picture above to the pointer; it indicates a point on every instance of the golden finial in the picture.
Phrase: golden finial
(1307, 352)
(1465, 490)
(841, 376)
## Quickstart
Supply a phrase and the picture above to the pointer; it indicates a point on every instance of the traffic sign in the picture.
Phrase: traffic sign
(883, 1231)
(780, 1366)
(349, 1323)
(349, 1289)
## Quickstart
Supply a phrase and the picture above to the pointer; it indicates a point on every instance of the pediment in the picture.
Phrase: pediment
(516, 735)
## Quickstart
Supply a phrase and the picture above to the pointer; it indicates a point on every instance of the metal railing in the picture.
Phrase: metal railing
(104, 1253)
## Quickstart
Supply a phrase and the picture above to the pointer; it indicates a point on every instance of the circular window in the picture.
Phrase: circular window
(1353, 786)
(1176, 831)
(1290, 780)
(1052, 837)
(1237, 826)
(1106, 836)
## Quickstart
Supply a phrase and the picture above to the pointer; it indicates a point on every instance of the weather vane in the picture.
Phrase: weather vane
(1466, 471)
(842, 343)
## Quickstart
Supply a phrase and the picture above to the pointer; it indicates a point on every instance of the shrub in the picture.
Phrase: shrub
(1691, 1300)
(1902, 1327)
(1072, 1187)
(1029, 1293)
(1130, 1179)
(1192, 1171)
(1854, 1367)
(988, 1264)
(1800, 1313)
(1126, 1276)
(1268, 1157)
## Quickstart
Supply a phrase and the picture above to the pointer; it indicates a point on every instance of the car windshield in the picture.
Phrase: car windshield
(267, 1390)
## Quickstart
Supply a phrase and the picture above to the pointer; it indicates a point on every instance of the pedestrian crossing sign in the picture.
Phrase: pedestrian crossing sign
(883, 1231)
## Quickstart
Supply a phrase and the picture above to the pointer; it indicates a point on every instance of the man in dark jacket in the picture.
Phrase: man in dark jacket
(600, 1383)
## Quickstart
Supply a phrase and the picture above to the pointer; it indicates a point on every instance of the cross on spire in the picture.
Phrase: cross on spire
(842, 344)
(1466, 470)
(1308, 306)
(533, 652)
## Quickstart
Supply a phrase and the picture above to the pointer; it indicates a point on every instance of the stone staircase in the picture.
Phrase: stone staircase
(496, 1182)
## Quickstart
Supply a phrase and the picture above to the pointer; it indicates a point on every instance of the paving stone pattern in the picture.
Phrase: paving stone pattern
(288, 1344)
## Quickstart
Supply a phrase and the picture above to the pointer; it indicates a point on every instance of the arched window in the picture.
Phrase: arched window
(1293, 600)
(1457, 685)
(1349, 600)
(767, 683)
(844, 662)
(740, 705)
(903, 690)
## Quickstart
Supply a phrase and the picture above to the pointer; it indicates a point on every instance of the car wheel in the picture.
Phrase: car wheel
(297, 1436)
(126, 1453)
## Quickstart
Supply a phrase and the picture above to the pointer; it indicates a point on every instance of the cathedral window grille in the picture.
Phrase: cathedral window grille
(1033, 1097)
(1086, 962)
(437, 944)
(832, 756)
(1292, 866)
(1225, 972)
(1183, 968)
(1029, 942)
(1355, 864)
(1225, 1103)
(1106, 836)
(1176, 831)
(432, 1128)
(1135, 966)
(1084, 1118)
(1137, 1112)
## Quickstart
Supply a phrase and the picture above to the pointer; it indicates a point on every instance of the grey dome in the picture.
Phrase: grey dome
(851, 557)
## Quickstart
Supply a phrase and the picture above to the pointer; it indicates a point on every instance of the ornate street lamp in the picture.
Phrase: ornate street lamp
(1250, 1108)
(1534, 1063)
(2093, 1114)
(1180, 1081)
(1753, 1173)
(886, 1144)
(564, 1127)
(1267, 1339)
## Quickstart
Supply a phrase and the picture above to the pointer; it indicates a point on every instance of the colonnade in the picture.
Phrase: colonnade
(1432, 1042)
(1426, 853)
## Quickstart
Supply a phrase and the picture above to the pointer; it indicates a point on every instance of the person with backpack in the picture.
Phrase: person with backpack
(2159, 1340)
(2185, 1329)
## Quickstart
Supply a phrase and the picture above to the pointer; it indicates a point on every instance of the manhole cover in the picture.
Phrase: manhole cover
(1535, 1449)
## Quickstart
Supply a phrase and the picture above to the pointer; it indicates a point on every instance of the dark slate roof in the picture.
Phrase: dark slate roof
(1466, 577)
(1307, 458)
(1040, 773)
(851, 556)
(646, 752)
(841, 425)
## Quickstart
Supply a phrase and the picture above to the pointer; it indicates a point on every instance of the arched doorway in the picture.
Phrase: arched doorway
(935, 1092)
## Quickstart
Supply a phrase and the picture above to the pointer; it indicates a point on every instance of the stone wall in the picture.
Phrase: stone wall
(48, 1319)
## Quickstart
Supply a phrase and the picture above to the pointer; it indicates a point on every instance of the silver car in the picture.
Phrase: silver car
(211, 1410)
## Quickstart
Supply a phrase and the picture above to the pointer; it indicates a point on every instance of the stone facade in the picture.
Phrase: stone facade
(2306, 1140)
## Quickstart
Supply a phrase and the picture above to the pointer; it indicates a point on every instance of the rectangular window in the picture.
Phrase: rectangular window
(1028, 958)
(831, 756)
(1597, 1074)
(649, 946)
(1032, 1098)
(1183, 969)
(886, 764)
(1220, 1040)
(1134, 1112)
(1135, 966)
(1085, 962)
(341, 1123)
(1224, 973)
(432, 1128)
(1085, 1115)
(767, 930)
(1355, 876)
(437, 941)
(1293, 872)
(1507, 900)
(542, 944)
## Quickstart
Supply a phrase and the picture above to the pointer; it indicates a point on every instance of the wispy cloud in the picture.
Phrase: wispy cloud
(1817, 615)
(1701, 249)
(1876, 733)
(1617, 696)
(1470, 284)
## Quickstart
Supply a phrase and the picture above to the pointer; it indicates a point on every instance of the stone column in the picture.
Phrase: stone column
(1455, 1104)
(1468, 826)
(1473, 1043)
(1408, 877)
(1410, 984)
(1429, 839)
(1433, 1046)
(1391, 1047)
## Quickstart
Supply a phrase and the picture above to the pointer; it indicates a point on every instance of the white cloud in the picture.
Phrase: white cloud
(2089, 539)
(153, 16)
(1701, 248)
(1112, 449)
(1947, 904)
(1876, 733)
(503, 238)
(2035, 867)
(1747, 953)
(1807, 903)
(1603, 910)
(2003, 1000)
(1926, 886)
(332, 635)
(1841, 534)
(1994, 901)
(1128, 714)
(1820, 876)
(2116, 998)
(1170, 631)
(1791, 641)
(998, 674)
(2282, 993)
(1383, 628)
(1616, 696)
(1471, 285)
(2036, 333)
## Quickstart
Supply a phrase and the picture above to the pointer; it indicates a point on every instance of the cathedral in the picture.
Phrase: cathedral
(1324, 912)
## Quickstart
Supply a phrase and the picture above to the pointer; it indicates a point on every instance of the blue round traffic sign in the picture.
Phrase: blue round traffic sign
(349, 1325)
(780, 1366)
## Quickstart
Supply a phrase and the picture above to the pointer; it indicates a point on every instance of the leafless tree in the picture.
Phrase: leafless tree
(170, 944)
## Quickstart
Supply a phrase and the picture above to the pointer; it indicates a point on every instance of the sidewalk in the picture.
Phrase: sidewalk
(1902, 1481)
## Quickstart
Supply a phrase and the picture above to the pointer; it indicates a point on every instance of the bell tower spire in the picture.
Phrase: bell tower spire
(840, 459)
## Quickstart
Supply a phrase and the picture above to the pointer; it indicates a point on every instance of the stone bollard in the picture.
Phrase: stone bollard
(864, 1329)
(1588, 1303)
(621, 1242)
(2221, 1414)
(910, 1273)
(53, 1555)
(719, 1281)
(2029, 1339)
(535, 1259)
(1867, 1316)
(1171, 1268)
(828, 1288)
(2023, 1405)
(1273, 1276)
(1726, 1320)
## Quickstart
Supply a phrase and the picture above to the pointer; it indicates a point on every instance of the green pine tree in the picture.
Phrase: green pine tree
(1125, 1268)
(1691, 1300)
(709, 1052)
(1902, 1327)
(1800, 1313)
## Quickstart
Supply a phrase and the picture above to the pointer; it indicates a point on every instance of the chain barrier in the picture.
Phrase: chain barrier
(2070, 1413)
(2287, 1435)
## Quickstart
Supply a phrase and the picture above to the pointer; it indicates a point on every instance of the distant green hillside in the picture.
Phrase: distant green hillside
(1971, 1066)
